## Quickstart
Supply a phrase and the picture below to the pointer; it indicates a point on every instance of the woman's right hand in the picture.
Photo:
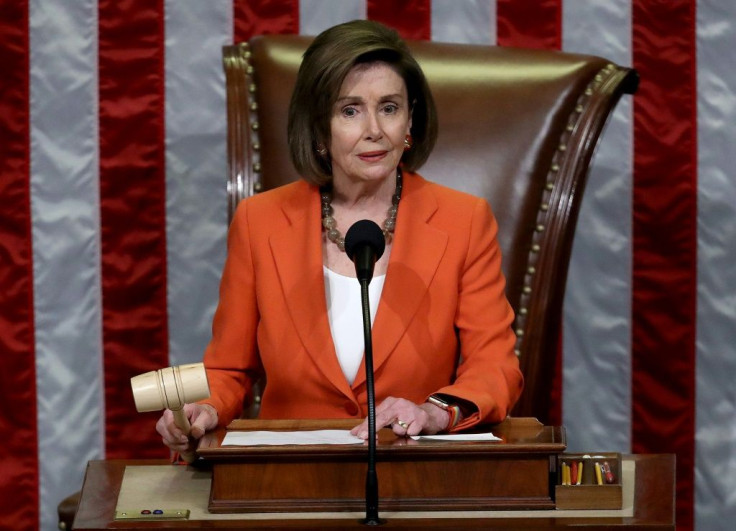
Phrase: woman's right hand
(202, 418)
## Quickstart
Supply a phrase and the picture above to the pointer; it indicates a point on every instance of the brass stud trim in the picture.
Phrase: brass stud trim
(551, 184)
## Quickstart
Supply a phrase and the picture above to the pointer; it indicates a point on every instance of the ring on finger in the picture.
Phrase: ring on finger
(403, 424)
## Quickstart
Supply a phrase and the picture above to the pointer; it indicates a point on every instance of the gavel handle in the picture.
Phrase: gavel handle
(182, 422)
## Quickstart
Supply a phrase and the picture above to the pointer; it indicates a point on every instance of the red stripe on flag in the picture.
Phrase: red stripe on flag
(133, 216)
(529, 23)
(264, 17)
(535, 24)
(665, 239)
(19, 484)
(411, 18)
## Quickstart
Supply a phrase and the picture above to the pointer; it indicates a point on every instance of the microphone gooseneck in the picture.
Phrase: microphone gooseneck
(364, 245)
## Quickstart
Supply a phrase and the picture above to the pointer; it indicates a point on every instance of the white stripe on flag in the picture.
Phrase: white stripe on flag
(196, 169)
(715, 450)
(597, 308)
(66, 249)
(318, 15)
(464, 21)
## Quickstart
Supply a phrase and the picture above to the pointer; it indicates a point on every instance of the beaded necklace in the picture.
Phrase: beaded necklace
(329, 223)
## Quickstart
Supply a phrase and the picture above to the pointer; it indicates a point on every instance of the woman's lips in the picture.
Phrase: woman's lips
(372, 156)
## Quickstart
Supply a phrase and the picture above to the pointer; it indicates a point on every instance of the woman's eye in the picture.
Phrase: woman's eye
(391, 108)
(349, 111)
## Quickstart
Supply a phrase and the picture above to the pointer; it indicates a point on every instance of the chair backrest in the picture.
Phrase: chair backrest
(518, 127)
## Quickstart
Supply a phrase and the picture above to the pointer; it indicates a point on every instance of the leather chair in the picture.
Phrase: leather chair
(518, 127)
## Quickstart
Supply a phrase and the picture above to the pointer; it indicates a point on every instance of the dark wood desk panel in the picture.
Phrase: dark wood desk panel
(331, 478)
(654, 507)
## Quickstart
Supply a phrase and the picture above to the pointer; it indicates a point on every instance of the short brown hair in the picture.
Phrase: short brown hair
(327, 61)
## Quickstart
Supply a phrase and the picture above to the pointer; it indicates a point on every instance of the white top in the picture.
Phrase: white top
(345, 313)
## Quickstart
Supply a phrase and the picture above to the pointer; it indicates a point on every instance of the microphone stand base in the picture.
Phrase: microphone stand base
(372, 521)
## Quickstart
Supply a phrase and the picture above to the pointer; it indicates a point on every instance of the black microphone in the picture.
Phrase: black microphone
(364, 245)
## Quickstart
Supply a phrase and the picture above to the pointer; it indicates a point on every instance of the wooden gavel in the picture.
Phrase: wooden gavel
(171, 388)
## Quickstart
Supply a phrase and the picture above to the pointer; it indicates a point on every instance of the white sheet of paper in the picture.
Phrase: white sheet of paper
(282, 438)
(458, 437)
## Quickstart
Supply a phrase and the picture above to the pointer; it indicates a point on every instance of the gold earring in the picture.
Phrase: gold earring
(408, 143)
(321, 150)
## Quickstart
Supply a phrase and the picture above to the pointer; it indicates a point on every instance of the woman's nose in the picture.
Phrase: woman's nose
(373, 128)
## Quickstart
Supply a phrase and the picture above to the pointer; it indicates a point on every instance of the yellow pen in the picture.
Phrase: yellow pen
(598, 477)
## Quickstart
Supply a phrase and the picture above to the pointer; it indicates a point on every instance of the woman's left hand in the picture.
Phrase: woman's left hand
(406, 418)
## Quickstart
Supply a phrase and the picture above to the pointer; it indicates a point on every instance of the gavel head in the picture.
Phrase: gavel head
(170, 388)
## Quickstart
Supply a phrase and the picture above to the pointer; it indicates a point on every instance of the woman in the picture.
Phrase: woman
(361, 121)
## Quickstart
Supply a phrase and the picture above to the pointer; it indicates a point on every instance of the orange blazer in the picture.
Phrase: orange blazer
(443, 323)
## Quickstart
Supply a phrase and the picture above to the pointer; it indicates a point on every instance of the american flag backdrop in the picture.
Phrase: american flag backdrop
(113, 222)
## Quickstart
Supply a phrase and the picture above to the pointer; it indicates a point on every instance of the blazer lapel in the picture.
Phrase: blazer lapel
(413, 263)
(297, 252)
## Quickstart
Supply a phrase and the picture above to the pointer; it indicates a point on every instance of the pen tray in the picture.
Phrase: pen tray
(589, 494)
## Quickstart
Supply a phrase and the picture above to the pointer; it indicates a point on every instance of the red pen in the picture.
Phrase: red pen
(608, 473)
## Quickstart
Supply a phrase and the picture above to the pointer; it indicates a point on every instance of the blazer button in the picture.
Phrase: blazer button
(351, 409)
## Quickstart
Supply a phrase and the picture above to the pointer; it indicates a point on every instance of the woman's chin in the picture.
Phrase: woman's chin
(374, 174)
